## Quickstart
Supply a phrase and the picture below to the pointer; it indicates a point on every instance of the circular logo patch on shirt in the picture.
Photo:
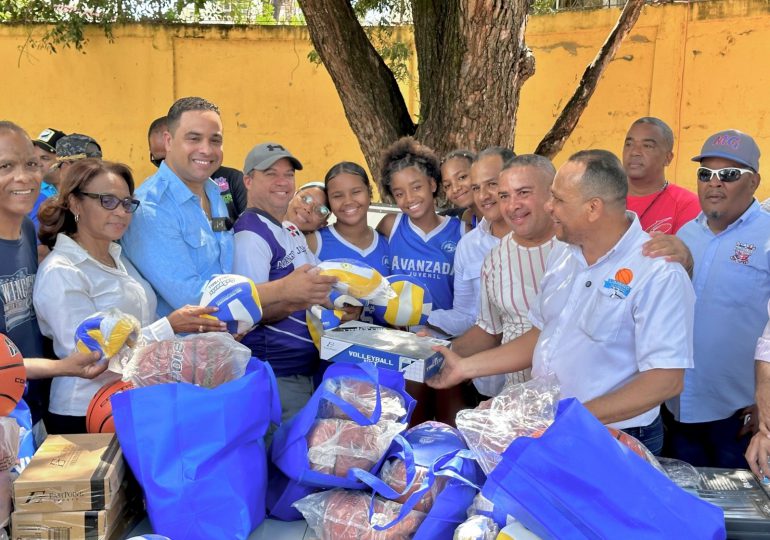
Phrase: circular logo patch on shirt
(449, 246)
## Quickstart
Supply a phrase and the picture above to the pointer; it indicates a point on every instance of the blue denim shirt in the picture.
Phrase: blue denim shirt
(171, 241)
(731, 278)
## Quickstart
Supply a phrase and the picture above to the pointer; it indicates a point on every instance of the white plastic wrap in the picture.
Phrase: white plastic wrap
(206, 360)
(111, 333)
(522, 409)
(344, 515)
(477, 528)
(335, 446)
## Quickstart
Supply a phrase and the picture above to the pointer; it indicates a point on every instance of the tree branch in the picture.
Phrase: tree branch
(554, 140)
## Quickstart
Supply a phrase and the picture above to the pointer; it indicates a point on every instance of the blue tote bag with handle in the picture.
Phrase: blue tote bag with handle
(199, 454)
(441, 450)
(576, 481)
(292, 476)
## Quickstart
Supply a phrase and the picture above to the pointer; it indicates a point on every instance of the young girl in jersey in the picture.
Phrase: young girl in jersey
(456, 183)
(308, 208)
(422, 244)
(350, 194)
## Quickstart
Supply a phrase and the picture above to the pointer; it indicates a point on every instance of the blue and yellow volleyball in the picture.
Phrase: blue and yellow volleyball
(237, 299)
(107, 333)
(411, 305)
(356, 279)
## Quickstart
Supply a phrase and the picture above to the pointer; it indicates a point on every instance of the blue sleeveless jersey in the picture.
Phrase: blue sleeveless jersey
(285, 344)
(331, 245)
(429, 257)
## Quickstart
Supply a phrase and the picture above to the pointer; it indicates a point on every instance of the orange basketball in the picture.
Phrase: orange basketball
(99, 414)
(13, 375)
(624, 275)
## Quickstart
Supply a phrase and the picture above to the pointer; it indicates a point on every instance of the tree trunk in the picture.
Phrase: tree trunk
(472, 62)
(370, 95)
(565, 124)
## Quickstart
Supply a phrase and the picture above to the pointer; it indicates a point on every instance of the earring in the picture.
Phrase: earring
(77, 218)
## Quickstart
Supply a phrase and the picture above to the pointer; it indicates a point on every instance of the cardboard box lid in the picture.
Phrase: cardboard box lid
(71, 472)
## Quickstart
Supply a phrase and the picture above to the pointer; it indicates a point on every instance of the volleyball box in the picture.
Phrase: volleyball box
(71, 473)
(387, 348)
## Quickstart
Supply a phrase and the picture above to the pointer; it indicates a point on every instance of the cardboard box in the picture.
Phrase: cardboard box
(357, 342)
(70, 473)
(111, 524)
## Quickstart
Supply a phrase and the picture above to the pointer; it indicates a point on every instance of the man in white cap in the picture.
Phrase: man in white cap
(730, 245)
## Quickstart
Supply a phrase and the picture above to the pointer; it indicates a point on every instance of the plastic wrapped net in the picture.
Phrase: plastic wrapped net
(9, 449)
(206, 360)
(363, 396)
(394, 473)
(335, 446)
(522, 409)
(344, 515)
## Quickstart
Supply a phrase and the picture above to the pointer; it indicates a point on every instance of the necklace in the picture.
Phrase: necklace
(654, 200)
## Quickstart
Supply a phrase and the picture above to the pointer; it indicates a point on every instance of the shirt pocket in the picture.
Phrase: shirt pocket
(602, 315)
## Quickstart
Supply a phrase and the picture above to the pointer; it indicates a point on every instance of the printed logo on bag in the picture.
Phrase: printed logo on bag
(742, 252)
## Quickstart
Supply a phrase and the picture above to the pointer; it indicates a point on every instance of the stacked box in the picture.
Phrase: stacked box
(387, 348)
(76, 487)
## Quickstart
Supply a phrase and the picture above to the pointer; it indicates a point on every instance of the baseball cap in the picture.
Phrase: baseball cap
(733, 145)
(77, 146)
(263, 156)
(48, 138)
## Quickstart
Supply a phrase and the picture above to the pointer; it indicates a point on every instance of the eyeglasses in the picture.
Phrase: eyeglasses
(727, 174)
(320, 209)
(111, 202)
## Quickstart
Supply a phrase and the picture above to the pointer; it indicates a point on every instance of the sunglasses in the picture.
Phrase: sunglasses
(320, 209)
(727, 174)
(111, 202)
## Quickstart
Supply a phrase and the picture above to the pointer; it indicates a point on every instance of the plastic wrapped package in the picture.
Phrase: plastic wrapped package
(477, 528)
(363, 396)
(344, 515)
(521, 409)
(481, 506)
(394, 473)
(206, 360)
(335, 446)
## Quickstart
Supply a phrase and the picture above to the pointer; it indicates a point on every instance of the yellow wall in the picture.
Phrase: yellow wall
(702, 67)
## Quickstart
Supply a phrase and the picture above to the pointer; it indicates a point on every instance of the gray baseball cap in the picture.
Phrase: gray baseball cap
(733, 145)
(262, 157)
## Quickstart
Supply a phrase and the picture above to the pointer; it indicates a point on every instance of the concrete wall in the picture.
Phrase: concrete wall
(701, 67)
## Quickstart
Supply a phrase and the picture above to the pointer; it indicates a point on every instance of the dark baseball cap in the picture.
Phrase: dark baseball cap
(733, 145)
(262, 157)
(77, 146)
(48, 138)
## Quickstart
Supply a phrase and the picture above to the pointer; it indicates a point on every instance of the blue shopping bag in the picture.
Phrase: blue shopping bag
(440, 449)
(293, 478)
(576, 481)
(199, 454)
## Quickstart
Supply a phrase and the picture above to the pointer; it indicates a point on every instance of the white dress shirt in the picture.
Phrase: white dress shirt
(599, 329)
(70, 287)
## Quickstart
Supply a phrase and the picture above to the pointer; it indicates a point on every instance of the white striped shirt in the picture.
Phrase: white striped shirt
(510, 282)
